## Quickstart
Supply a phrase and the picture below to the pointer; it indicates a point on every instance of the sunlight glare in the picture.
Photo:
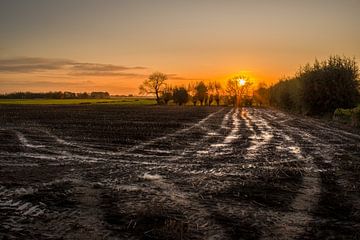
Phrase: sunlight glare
(242, 82)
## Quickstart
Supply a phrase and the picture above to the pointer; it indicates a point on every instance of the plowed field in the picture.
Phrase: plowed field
(121, 172)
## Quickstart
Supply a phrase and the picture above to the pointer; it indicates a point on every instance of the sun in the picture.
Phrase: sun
(242, 82)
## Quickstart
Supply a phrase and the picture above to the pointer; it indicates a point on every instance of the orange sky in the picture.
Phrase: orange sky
(113, 45)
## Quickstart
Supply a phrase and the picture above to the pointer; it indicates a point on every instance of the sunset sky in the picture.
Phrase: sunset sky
(113, 45)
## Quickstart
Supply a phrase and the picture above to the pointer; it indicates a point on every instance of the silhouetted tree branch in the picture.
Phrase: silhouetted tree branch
(154, 85)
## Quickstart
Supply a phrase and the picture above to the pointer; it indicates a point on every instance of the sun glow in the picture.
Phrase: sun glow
(242, 82)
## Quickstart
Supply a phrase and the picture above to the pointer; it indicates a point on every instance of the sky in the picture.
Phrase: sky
(113, 45)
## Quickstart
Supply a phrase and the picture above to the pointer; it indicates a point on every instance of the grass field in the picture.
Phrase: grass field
(118, 101)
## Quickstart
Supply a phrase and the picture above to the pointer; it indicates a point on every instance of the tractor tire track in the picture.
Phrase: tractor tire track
(323, 152)
(204, 171)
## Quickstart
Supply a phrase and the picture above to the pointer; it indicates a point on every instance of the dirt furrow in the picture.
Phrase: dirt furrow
(325, 154)
(224, 174)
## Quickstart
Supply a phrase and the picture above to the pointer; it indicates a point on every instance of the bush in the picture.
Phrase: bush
(319, 89)
(348, 116)
(342, 115)
(180, 96)
(355, 117)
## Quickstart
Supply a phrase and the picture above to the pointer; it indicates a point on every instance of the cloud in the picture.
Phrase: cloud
(70, 67)
(12, 83)
(105, 73)
(173, 76)
(96, 69)
(29, 64)
(101, 67)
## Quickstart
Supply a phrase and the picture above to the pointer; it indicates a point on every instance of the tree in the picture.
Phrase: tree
(330, 84)
(99, 95)
(320, 88)
(237, 88)
(214, 91)
(180, 96)
(201, 92)
(211, 92)
(166, 94)
(261, 95)
(154, 85)
(192, 93)
(217, 90)
(69, 95)
(83, 95)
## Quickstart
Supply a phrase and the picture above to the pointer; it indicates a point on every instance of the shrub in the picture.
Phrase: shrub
(342, 115)
(319, 89)
(349, 116)
(180, 96)
(355, 117)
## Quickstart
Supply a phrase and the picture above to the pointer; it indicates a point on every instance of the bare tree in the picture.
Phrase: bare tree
(214, 92)
(192, 93)
(217, 90)
(237, 88)
(211, 92)
(154, 85)
(201, 92)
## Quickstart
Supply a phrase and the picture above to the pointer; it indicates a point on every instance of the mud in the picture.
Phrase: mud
(117, 172)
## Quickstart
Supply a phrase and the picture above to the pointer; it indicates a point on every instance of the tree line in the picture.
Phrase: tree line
(198, 93)
(55, 95)
(316, 89)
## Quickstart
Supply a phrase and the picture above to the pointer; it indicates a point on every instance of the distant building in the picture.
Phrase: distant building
(99, 95)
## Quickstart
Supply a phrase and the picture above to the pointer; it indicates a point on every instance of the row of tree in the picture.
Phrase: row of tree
(316, 89)
(55, 95)
(234, 93)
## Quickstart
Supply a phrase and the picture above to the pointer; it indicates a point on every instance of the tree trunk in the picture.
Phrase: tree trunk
(157, 97)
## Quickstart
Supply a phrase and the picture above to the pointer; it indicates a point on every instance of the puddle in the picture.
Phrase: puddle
(260, 140)
(151, 177)
(128, 188)
(213, 134)
(235, 129)
(158, 151)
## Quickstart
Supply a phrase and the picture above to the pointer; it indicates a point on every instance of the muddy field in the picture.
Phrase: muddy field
(117, 172)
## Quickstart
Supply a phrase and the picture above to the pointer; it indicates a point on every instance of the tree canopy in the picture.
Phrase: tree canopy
(155, 84)
(201, 92)
(180, 96)
(319, 88)
(237, 87)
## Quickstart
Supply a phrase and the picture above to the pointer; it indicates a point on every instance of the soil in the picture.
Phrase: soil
(156, 172)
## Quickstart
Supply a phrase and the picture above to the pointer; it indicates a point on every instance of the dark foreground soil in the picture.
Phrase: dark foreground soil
(117, 172)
